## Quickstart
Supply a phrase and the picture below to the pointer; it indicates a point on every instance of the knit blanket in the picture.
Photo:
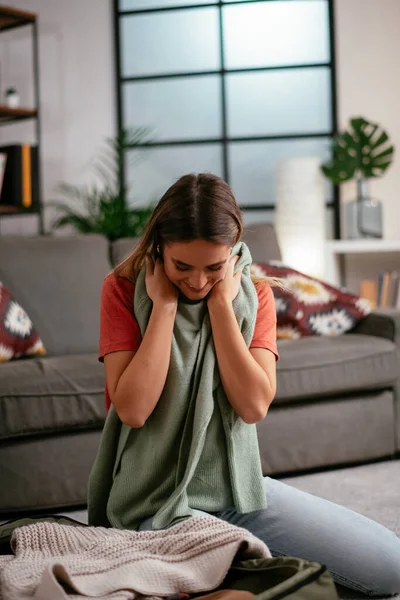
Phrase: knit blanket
(58, 562)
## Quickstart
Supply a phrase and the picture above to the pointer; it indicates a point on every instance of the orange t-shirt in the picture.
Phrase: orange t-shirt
(119, 329)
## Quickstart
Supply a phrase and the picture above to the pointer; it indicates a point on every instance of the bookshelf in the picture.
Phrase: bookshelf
(338, 250)
(11, 18)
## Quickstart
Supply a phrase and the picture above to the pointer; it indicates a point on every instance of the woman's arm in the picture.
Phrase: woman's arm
(248, 376)
(135, 380)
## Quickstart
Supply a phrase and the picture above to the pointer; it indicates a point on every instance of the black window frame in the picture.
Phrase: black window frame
(224, 139)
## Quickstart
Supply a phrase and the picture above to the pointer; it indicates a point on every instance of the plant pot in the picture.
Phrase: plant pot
(363, 216)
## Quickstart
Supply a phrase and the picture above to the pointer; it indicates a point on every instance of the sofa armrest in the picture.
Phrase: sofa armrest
(385, 322)
(382, 322)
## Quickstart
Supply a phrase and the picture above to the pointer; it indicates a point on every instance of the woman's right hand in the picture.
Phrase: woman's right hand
(159, 287)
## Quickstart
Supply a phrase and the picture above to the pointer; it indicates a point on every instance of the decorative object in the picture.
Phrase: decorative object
(360, 153)
(102, 209)
(18, 337)
(306, 306)
(300, 214)
(12, 98)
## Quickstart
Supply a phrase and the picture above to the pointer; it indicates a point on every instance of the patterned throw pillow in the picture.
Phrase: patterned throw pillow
(308, 306)
(18, 337)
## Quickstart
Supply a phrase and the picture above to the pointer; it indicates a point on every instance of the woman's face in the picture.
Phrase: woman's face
(195, 267)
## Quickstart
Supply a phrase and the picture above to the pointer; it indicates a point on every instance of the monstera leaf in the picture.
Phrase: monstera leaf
(363, 151)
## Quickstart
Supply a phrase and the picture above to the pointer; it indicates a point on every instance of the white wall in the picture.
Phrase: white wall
(77, 90)
(368, 82)
(77, 87)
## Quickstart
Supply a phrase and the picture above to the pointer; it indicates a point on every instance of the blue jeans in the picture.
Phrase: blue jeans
(360, 553)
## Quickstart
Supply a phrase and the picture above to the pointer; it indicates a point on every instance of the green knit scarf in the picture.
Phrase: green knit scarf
(147, 472)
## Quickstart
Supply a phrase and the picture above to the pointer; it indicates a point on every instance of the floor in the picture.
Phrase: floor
(373, 490)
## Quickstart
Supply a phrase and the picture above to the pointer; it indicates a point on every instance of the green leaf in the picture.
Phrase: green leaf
(388, 152)
(359, 152)
(382, 138)
(81, 224)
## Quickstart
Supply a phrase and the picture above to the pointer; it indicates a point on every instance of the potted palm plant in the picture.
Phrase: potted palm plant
(361, 153)
(102, 208)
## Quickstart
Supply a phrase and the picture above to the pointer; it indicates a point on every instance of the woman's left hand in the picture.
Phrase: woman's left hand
(228, 287)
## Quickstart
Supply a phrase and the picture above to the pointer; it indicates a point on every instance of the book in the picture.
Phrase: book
(397, 304)
(369, 291)
(19, 187)
(393, 288)
(384, 299)
(379, 291)
(3, 162)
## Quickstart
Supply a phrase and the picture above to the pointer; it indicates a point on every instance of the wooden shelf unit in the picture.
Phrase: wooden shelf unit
(337, 250)
(11, 18)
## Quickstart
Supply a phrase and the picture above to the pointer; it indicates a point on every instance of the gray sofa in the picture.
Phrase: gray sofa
(337, 399)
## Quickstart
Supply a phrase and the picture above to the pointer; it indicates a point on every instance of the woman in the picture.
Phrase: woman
(188, 343)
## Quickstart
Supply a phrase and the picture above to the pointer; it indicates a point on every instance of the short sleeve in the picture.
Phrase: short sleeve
(119, 329)
(265, 328)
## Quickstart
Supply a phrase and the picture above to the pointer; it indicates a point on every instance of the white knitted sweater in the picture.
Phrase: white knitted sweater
(58, 562)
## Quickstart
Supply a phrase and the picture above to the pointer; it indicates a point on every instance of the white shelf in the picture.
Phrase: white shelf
(337, 248)
(362, 246)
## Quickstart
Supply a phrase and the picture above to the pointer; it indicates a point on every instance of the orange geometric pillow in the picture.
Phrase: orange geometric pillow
(18, 337)
(307, 306)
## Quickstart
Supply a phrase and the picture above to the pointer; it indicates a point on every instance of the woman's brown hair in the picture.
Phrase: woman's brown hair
(197, 206)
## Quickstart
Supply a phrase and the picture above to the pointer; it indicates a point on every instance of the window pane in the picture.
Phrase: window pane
(175, 108)
(252, 166)
(276, 33)
(143, 4)
(150, 175)
(170, 42)
(279, 102)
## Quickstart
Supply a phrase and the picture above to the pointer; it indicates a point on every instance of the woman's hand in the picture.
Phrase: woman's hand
(159, 287)
(227, 288)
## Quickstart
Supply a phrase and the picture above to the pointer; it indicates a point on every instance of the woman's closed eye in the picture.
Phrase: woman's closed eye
(180, 268)
(184, 268)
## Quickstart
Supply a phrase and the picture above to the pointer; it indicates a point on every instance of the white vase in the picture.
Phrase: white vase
(12, 100)
(300, 214)
(363, 216)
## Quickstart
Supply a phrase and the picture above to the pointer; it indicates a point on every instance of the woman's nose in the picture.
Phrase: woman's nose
(198, 280)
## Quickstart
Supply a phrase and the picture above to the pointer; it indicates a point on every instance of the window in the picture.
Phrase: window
(230, 87)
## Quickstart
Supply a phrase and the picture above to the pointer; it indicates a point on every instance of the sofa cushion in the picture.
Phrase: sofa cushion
(328, 366)
(58, 282)
(46, 395)
(308, 306)
(332, 432)
(18, 336)
(262, 242)
(46, 472)
(121, 248)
